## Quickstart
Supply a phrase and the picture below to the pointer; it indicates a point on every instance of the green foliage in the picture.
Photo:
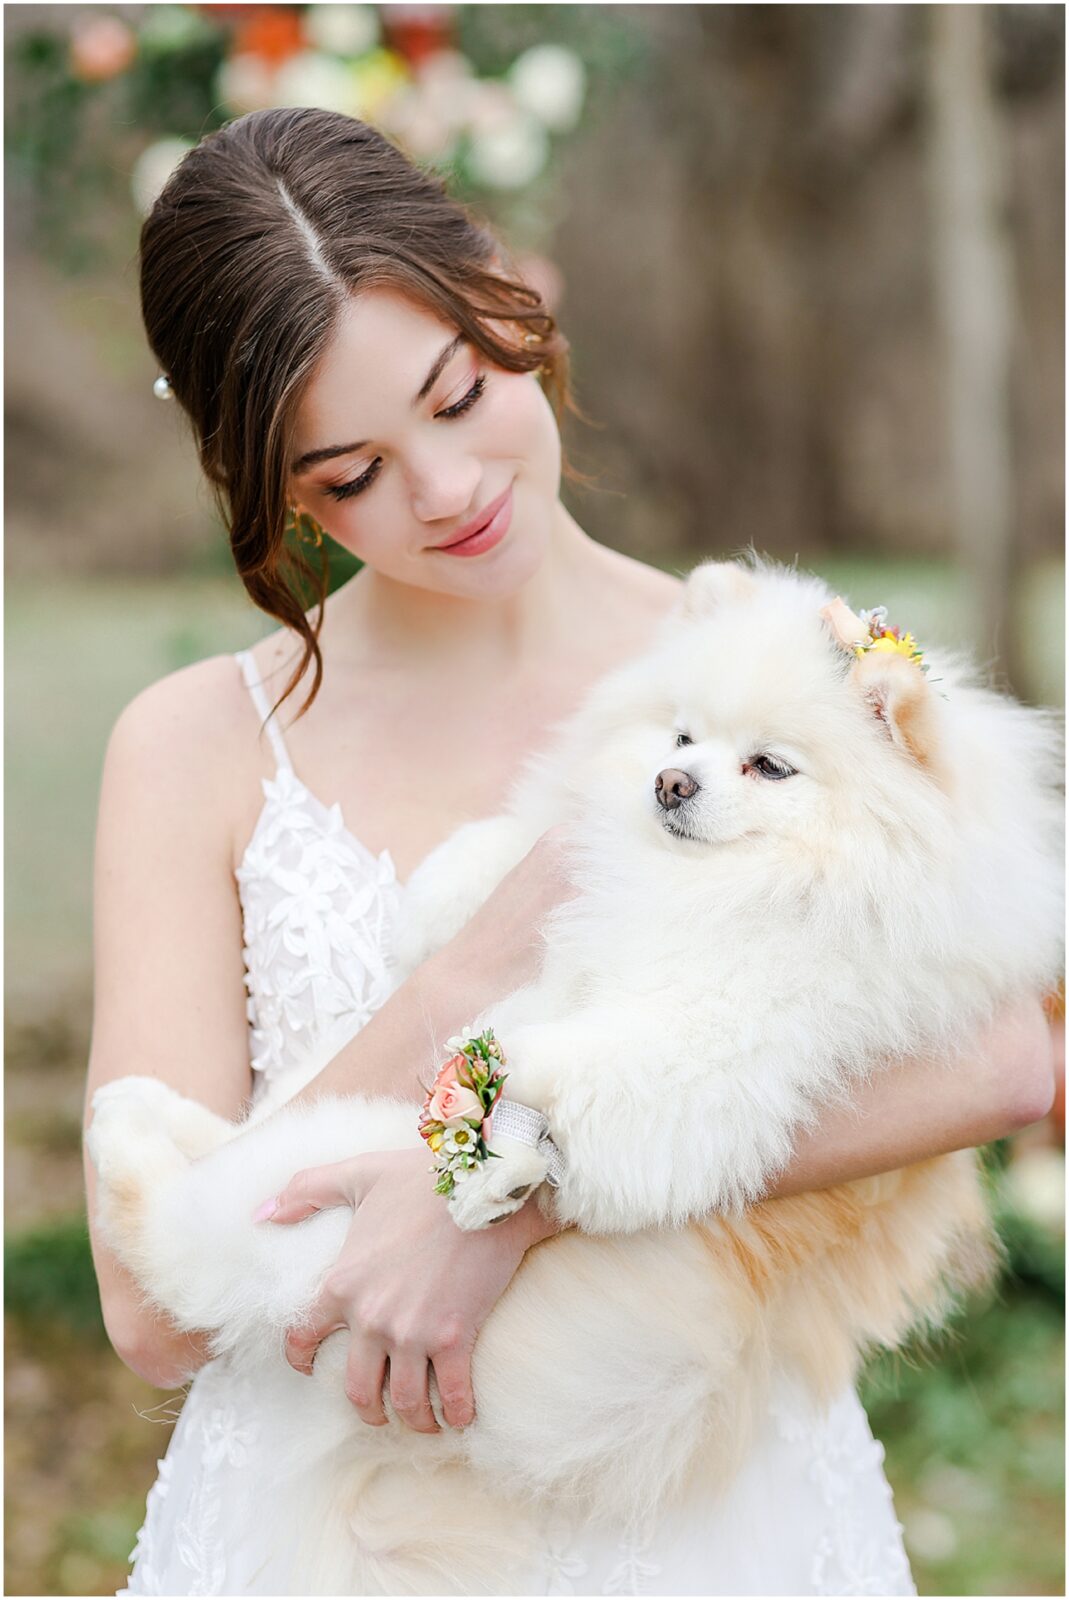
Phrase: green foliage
(1038, 1256)
(173, 89)
(973, 1431)
(49, 1277)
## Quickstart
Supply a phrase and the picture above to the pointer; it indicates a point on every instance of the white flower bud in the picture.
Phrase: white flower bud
(549, 81)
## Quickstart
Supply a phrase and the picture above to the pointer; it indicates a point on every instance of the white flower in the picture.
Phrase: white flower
(511, 155)
(1035, 1187)
(549, 81)
(424, 136)
(343, 30)
(459, 1141)
(152, 169)
(245, 83)
(311, 79)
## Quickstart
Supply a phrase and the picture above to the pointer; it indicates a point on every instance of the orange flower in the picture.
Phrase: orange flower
(273, 33)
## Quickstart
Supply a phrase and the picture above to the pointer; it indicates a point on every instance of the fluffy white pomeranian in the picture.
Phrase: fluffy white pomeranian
(796, 863)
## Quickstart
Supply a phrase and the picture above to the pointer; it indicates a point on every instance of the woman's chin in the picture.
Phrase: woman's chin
(497, 574)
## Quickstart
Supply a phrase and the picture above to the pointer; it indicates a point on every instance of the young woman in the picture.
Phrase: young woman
(353, 352)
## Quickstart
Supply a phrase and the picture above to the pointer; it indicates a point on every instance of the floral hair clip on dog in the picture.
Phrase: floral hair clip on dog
(869, 631)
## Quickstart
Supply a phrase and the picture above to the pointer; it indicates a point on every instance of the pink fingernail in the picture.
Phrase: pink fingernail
(267, 1210)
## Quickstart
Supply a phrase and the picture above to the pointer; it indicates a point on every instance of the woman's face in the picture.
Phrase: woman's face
(433, 466)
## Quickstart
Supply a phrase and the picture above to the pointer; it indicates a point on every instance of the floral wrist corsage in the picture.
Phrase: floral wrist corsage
(458, 1104)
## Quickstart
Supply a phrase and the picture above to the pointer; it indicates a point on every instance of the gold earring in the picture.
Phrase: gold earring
(303, 526)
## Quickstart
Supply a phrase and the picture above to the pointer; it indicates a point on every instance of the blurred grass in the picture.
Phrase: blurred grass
(77, 652)
(972, 1429)
(974, 1437)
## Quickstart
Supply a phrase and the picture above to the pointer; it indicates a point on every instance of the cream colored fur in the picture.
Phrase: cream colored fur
(708, 991)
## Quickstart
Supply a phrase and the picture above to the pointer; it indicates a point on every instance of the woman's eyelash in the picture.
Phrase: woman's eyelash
(467, 401)
(345, 491)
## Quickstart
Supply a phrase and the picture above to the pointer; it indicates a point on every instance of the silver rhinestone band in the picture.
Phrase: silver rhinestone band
(531, 1127)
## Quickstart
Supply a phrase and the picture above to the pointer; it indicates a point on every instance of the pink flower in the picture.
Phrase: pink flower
(448, 1073)
(450, 1102)
(101, 47)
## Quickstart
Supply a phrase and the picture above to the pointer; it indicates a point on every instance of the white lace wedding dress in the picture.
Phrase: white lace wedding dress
(810, 1513)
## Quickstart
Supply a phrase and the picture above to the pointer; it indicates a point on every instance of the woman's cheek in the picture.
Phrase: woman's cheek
(365, 531)
(525, 427)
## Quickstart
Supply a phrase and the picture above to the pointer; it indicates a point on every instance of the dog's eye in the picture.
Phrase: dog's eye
(769, 767)
(682, 739)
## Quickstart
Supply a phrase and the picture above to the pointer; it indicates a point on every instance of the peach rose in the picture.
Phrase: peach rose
(448, 1073)
(451, 1102)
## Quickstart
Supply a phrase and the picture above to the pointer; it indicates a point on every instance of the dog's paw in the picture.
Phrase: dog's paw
(143, 1113)
(124, 1111)
(497, 1188)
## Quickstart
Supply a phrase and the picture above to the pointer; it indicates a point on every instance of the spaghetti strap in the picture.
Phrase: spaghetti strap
(244, 659)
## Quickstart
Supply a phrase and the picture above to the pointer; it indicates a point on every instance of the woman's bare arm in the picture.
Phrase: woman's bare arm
(168, 993)
(920, 1108)
(169, 999)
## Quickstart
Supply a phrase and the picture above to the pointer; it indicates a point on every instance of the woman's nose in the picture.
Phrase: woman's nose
(444, 486)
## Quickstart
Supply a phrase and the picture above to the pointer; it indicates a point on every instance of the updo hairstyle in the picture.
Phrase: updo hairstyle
(250, 253)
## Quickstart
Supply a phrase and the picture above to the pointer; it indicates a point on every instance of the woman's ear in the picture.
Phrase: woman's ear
(715, 584)
(900, 697)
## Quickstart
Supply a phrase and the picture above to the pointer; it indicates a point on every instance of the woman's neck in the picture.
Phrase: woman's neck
(385, 621)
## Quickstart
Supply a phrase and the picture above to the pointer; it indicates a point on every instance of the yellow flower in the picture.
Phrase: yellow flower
(377, 78)
(435, 1140)
(906, 646)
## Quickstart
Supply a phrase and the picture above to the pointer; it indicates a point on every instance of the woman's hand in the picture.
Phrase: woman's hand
(411, 1287)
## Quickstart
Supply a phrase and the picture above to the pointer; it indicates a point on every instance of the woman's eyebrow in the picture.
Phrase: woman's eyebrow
(444, 355)
(312, 458)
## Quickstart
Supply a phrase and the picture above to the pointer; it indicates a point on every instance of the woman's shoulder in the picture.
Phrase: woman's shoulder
(643, 587)
(198, 703)
(189, 736)
(640, 600)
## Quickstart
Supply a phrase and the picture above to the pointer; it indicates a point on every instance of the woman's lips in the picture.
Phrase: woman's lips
(491, 530)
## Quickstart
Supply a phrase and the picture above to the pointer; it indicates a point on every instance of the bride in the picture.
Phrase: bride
(354, 354)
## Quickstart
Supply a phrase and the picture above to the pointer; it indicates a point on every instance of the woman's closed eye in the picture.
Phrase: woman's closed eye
(345, 491)
(355, 486)
(466, 401)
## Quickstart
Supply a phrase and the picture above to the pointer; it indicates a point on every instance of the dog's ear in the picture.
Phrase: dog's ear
(845, 626)
(899, 695)
(714, 584)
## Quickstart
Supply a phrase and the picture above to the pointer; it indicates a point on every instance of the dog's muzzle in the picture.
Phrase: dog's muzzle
(672, 787)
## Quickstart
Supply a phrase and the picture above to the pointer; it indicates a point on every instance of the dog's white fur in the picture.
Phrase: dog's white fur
(727, 968)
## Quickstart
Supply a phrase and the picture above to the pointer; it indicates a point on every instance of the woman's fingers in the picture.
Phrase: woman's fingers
(364, 1374)
(408, 1390)
(344, 1183)
(302, 1342)
(452, 1371)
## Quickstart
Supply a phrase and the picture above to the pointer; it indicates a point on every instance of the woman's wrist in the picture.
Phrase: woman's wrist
(533, 1224)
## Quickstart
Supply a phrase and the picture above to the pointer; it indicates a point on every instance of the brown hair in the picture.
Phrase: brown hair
(248, 256)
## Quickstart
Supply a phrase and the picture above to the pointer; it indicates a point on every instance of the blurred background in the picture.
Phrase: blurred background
(810, 259)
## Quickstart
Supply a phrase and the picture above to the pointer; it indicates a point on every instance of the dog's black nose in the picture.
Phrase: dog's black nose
(673, 787)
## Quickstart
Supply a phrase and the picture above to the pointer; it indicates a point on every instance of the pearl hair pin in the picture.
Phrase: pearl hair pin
(162, 388)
